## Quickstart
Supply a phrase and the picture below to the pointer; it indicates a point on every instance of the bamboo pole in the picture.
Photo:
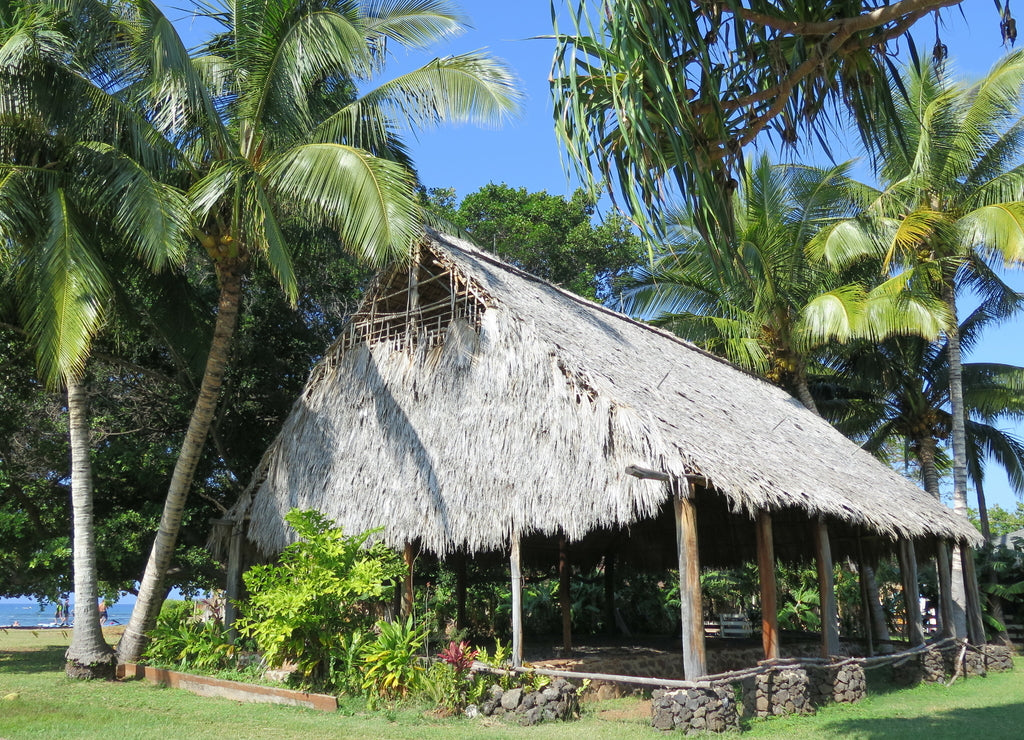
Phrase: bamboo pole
(691, 612)
(766, 576)
(517, 603)
(827, 589)
(908, 577)
(564, 595)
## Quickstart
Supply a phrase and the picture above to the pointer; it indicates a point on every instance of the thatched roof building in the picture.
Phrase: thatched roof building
(469, 401)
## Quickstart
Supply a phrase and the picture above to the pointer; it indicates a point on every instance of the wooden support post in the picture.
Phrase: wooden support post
(564, 595)
(827, 589)
(460, 591)
(911, 595)
(766, 575)
(975, 625)
(407, 595)
(609, 591)
(690, 608)
(865, 602)
(517, 603)
(945, 579)
(233, 584)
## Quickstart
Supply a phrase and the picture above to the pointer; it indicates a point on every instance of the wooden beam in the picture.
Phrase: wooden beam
(865, 605)
(911, 595)
(517, 602)
(827, 589)
(409, 555)
(690, 609)
(564, 595)
(766, 575)
(945, 579)
(975, 625)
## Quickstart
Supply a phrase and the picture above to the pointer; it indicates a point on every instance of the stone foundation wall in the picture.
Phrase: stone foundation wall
(556, 701)
(694, 710)
(837, 683)
(939, 664)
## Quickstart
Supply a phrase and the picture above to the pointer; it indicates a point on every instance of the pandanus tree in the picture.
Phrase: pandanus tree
(951, 203)
(280, 116)
(76, 189)
(663, 97)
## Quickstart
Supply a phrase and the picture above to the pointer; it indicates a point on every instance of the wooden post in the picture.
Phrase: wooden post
(517, 603)
(827, 589)
(233, 583)
(945, 579)
(865, 605)
(766, 575)
(407, 595)
(609, 591)
(564, 595)
(911, 596)
(975, 625)
(460, 591)
(690, 609)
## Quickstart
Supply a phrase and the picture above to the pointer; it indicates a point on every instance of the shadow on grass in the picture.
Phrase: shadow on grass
(39, 660)
(992, 722)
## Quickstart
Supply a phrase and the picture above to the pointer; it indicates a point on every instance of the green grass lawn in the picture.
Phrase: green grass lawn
(51, 706)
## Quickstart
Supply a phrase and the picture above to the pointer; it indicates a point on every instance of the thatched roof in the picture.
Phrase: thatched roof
(484, 401)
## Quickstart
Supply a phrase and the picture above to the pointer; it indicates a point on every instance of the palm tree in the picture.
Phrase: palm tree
(273, 124)
(756, 299)
(951, 202)
(72, 187)
(897, 395)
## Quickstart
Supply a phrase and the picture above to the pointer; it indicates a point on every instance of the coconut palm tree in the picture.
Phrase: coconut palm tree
(951, 203)
(897, 395)
(278, 117)
(757, 299)
(73, 187)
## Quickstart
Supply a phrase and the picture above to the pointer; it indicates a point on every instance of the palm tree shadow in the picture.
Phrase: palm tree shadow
(41, 660)
(991, 722)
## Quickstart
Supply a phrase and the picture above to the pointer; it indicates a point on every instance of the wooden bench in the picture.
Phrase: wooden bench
(734, 626)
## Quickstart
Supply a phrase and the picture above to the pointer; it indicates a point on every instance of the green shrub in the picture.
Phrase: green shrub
(180, 641)
(324, 588)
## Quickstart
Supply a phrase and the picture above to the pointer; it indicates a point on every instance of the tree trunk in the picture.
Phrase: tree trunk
(947, 606)
(150, 598)
(959, 444)
(89, 655)
(879, 627)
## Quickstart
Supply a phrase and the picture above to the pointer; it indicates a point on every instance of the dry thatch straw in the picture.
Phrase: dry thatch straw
(469, 401)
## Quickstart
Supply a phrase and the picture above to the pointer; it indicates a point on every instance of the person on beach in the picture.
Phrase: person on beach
(103, 613)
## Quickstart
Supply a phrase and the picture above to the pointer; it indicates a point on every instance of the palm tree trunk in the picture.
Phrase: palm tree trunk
(959, 439)
(151, 591)
(89, 655)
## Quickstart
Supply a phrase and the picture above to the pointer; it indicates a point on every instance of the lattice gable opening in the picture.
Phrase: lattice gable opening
(416, 303)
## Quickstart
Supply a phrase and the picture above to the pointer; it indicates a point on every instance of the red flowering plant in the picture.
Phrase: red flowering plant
(459, 655)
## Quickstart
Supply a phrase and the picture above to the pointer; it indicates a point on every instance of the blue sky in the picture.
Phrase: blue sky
(525, 153)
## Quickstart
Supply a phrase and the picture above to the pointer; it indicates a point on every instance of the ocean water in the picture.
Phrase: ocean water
(28, 613)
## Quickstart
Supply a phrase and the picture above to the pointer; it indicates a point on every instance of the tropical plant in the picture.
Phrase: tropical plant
(274, 124)
(951, 204)
(391, 665)
(656, 98)
(77, 184)
(184, 642)
(311, 606)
